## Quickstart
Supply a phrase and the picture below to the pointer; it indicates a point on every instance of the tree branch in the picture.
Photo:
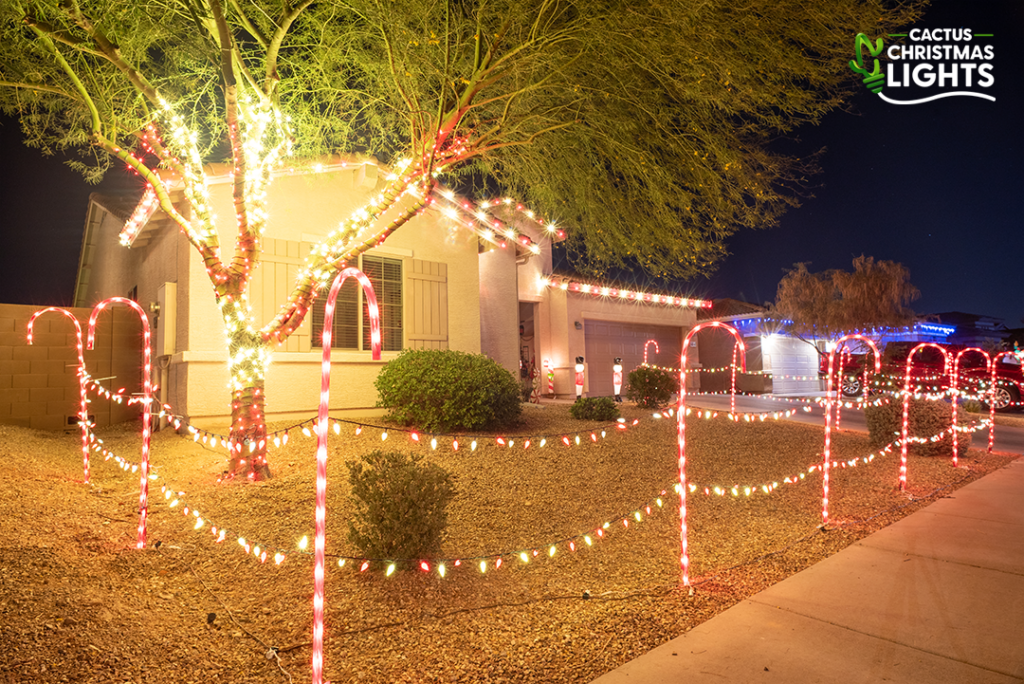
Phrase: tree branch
(42, 89)
(274, 46)
(246, 247)
(62, 36)
(97, 126)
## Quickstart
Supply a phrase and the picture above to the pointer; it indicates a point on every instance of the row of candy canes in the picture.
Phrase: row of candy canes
(147, 400)
(682, 413)
(147, 392)
(322, 433)
(906, 394)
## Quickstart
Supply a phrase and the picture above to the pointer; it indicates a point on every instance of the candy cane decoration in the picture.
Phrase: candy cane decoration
(826, 464)
(83, 408)
(906, 405)
(992, 397)
(684, 559)
(551, 376)
(732, 396)
(321, 451)
(656, 349)
(955, 391)
(839, 403)
(147, 402)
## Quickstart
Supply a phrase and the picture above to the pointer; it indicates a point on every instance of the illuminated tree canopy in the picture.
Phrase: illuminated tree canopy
(644, 126)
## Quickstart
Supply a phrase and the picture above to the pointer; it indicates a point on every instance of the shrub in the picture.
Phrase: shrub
(651, 387)
(595, 408)
(443, 390)
(926, 419)
(972, 406)
(400, 505)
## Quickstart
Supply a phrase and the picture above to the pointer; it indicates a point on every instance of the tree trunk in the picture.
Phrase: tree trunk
(249, 357)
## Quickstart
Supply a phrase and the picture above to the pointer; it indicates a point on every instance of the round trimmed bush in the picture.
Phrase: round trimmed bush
(926, 419)
(440, 390)
(651, 387)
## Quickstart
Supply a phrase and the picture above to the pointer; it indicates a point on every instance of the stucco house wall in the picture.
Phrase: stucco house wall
(440, 268)
(459, 291)
(561, 316)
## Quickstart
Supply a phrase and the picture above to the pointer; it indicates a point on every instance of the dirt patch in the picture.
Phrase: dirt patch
(79, 603)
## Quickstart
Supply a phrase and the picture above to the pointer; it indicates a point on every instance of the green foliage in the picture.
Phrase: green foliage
(926, 419)
(972, 406)
(595, 408)
(651, 387)
(443, 390)
(400, 505)
(528, 93)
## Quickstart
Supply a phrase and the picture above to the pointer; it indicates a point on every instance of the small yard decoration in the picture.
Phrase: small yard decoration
(992, 392)
(320, 540)
(617, 379)
(906, 405)
(955, 390)
(646, 345)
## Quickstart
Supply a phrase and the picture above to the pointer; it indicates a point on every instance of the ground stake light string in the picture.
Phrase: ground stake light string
(176, 499)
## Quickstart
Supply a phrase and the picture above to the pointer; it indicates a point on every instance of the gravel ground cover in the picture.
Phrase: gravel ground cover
(78, 603)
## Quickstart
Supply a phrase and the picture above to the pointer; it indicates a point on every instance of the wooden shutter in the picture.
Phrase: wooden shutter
(272, 283)
(427, 308)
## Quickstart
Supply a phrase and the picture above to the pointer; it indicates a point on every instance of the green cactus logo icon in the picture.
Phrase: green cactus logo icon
(874, 79)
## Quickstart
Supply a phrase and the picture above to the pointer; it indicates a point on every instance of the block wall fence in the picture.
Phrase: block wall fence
(39, 383)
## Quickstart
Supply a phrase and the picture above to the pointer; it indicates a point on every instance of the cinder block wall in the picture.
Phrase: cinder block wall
(39, 383)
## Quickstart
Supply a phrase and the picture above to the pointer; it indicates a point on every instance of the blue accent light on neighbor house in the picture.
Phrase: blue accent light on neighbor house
(935, 329)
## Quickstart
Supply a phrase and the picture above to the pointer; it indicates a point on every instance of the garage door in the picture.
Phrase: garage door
(606, 341)
(785, 356)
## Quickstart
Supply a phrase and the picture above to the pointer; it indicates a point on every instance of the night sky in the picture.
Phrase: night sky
(937, 186)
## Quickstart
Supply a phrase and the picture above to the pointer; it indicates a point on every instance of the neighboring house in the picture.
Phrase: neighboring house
(474, 278)
(780, 363)
(776, 362)
(973, 330)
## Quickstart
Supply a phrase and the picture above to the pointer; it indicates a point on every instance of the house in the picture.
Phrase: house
(475, 277)
(781, 363)
(776, 362)
(973, 330)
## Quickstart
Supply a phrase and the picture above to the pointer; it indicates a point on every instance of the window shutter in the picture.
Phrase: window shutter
(271, 284)
(428, 305)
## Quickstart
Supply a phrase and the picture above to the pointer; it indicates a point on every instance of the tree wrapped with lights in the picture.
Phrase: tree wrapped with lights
(643, 125)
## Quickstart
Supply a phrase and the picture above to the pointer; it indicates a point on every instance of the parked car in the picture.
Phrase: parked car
(928, 373)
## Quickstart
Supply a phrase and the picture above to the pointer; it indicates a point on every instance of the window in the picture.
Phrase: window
(352, 330)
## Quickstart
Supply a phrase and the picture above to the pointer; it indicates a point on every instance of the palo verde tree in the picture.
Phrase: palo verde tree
(643, 125)
(827, 305)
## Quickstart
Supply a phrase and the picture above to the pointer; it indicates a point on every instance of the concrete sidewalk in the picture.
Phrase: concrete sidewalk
(935, 597)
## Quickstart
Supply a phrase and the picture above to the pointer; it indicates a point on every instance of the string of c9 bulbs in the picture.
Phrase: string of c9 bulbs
(490, 561)
(279, 438)
(262, 552)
